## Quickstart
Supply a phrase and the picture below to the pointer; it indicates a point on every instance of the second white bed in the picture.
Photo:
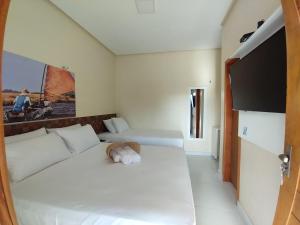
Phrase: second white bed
(146, 137)
(88, 189)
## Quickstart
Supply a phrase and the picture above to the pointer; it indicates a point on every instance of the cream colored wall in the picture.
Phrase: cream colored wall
(38, 30)
(153, 91)
(259, 183)
(242, 19)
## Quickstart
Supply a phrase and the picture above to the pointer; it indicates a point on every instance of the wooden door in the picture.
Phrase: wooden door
(288, 207)
(7, 213)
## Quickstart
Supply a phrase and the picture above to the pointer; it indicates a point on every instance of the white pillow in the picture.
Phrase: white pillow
(79, 139)
(28, 157)
(25, 136)
(110, 126)
(120, 124)
(51, 130)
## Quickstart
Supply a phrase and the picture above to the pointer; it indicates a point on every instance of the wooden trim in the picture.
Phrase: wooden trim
(297, 2)
(296, 210)
(238, 168)
(8, 216)
(201, 112)
(298, 5)
(234, 177)
(288, 191)
(228, 114)
(95, 121)
(294, 220)
(198, 106)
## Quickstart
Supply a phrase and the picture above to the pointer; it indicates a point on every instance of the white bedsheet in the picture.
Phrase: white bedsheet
(90, 190)
(146, 137)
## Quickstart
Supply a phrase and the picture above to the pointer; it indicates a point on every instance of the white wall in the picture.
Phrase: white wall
(266, 130)
(153, 91)
(259, 185)
(38, 30)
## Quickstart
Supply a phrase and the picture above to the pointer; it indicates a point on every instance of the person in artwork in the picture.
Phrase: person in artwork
(22, 101)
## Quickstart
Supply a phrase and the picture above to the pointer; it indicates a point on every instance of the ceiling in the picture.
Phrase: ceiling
(176, 25)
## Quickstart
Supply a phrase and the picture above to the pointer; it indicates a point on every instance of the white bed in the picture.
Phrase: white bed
(88, 189)
(146, 137)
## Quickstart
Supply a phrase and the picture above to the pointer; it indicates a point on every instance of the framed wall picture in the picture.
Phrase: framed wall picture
(36, 91)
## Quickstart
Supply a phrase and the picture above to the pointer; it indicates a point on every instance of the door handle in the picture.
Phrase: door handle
(285, 166)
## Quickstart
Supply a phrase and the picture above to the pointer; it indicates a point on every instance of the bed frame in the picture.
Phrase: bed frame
(95, 121)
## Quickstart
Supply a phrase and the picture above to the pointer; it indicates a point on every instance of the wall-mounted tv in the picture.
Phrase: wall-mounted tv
(258, 81)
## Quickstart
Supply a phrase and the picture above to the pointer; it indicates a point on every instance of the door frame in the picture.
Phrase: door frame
(290, 191)
(228, 121)
(288, 206)
(7, 211)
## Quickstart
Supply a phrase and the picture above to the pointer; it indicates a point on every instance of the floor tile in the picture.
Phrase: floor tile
(206, 216)
(215, 200)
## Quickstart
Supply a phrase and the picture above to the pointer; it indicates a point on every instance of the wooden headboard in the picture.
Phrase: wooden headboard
(95, 121)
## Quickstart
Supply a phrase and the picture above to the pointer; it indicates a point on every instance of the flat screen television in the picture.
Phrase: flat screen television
(258, 81)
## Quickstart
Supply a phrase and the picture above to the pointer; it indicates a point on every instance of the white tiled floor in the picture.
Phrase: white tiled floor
(214, 200)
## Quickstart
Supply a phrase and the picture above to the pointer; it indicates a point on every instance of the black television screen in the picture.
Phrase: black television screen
(258, 81)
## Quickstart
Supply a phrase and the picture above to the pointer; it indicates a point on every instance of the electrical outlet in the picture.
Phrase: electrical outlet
(245, 131)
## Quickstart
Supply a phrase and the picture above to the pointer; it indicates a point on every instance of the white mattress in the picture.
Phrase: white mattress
(89, 189)
(146, 137)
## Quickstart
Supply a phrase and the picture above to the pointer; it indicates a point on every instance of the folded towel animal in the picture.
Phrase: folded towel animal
(126, 153)
(115, 156)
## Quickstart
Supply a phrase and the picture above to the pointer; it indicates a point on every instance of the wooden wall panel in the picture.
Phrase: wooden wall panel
(95, 121)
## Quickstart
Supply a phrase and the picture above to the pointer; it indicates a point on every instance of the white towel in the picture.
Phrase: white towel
(115, 156)
(135, 157)
(125, 158)
(125, 155)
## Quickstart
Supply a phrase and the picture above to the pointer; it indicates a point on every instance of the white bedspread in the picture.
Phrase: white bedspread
(90, 190)
(146, 137)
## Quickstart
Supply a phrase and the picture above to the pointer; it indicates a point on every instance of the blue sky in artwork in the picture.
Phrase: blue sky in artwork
(21, 72)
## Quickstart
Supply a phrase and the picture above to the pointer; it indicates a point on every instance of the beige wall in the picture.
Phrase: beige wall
(259, 183)
(241, 19)
(153, 91)
(38, 30)
(259, 168)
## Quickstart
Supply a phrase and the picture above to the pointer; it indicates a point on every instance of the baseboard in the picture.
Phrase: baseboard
(198, 153)
(244, 214)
